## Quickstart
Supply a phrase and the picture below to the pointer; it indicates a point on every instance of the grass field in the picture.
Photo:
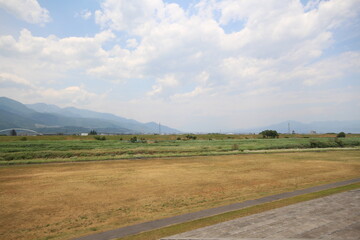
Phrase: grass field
(45, 149)
(61, 201)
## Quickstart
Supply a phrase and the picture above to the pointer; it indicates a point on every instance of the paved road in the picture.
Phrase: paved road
(332, 217)
(147, 226)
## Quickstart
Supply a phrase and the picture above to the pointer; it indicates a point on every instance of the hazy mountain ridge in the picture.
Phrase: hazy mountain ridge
(48, 118)
(317, 126)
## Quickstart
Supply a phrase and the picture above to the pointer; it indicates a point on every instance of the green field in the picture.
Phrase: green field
(43, 149)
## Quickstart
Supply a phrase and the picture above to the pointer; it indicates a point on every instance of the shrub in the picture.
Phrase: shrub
(341, 135)
(23, 139)
(191, 137)
(269, 134)
(339, 142)
(133, 139)
(318, 144)
(101, 138)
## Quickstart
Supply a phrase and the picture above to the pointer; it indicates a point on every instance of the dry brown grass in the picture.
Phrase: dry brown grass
(61, 201)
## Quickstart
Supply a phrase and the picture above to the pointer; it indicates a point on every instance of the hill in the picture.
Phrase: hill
(52, 119)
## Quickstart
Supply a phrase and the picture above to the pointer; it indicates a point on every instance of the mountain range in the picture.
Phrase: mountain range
(318, 127)
(51, 119)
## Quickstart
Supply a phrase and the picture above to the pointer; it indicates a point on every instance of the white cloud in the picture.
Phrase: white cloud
(29, 10)
(68, 96)
(312, 4)
(84, 14)
(168, 82)
(40, 55)
(21, 88)
(132, 43)
(127, 15)
(73, 95)
(217, 57)
(9, 79)
(179, 42)
(329, 70)
(278, 49)
(189, 95)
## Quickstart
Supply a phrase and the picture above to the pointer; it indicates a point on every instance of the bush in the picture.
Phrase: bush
(191, 137)
(133, 139)
(269, 134)
(23, 139)
(318, 144)
(341, 135)
(339, 142)
(101, 138)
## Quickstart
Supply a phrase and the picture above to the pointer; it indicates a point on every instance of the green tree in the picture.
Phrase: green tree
(341, 135)
(269, 134)
(93, 132)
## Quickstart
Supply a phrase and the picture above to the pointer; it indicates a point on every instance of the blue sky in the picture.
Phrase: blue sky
(200, 65)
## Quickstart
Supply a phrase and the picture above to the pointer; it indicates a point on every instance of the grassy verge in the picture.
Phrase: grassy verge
(75, 150)
(171, 137)
(167, 155)
(188, 226)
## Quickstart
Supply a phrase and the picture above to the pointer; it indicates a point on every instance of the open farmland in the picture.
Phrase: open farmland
(45, 149)
(60, 201)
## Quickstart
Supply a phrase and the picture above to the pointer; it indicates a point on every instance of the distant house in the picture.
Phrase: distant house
(84, 134)
(312, 132)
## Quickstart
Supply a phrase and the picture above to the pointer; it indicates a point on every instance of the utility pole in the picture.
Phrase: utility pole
(159, 128)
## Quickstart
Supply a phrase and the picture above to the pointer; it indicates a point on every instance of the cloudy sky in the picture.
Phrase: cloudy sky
(196, 65)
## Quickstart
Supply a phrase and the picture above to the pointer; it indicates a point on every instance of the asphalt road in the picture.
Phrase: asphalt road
(333, 217)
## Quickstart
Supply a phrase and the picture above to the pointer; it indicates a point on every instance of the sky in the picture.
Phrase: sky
(194, 65)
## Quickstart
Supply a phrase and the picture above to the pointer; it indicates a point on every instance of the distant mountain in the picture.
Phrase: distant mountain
(47, 118)
(155, 127)
(44, 108)
(318, 127)
(14, 107)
